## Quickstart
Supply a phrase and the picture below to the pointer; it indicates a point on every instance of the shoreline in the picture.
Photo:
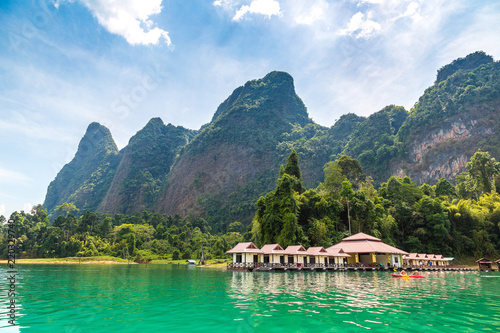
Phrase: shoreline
(103, 261)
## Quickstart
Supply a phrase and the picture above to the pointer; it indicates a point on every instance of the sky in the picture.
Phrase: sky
(67, 63)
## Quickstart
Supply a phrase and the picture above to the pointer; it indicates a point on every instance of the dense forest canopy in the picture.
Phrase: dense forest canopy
(461, 220)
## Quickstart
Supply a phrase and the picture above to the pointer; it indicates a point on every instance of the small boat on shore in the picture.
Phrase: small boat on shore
(409, 276)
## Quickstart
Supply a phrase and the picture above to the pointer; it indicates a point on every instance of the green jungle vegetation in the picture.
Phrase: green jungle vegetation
(460, 221)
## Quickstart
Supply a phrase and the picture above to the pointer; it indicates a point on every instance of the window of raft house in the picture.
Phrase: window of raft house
(331, 261)
(290, 259)
(312, 260)
(255, 258)
(282, 259)
(238, 258)
(266, 258)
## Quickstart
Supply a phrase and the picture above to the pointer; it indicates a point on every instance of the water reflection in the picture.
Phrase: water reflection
(370, 300)
(167, 298)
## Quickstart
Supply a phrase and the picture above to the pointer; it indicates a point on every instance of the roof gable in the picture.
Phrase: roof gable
(366, 246)
(361, 236)
(318, 251)
(484, 261)
(272, 248)
(296, 249)
(247, 247)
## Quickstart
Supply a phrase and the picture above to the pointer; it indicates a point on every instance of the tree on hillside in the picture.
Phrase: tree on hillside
(332, 185)
(400, 190)
(277, 213)
(444, 188)
(292, 168)
(67, 208)
(352, 170)
(483, 168)
(347, 194)
(433, 225)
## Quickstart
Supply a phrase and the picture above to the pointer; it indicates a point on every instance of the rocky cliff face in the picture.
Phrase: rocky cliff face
(444, 152)
(452, 120)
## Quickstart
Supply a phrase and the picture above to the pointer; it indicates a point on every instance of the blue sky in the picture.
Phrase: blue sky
(65, 64)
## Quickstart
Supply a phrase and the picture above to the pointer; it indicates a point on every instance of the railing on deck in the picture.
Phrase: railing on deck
(253, 265)
(249, 265)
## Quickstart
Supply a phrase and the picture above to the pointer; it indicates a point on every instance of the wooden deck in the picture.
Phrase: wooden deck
(322, 268)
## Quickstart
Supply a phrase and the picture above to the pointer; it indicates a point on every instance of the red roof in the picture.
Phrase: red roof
(318, 251)
(296, 249)
(272, 249)
(337, 252)
(363, 243)
(361, 236)
(413, 256)
(248, 247)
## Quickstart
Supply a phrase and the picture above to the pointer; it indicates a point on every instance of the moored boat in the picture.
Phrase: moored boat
(409, 276)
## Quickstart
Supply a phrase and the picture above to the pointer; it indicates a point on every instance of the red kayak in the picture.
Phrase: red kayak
(410, 276)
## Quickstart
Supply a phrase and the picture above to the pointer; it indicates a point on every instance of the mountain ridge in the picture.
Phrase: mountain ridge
(219, 171)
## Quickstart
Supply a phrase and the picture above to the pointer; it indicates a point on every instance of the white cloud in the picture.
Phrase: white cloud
(11, 176)
(316, 13)
(228, 5)
(361, 26)
(129, 19)
(263, 7)
(412, 11)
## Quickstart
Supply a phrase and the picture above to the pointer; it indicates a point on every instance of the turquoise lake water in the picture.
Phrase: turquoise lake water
(166, 298)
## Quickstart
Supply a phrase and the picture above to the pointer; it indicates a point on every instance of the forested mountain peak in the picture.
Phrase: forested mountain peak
(156, 127)
(468, 63)
(85, 180)
(97, 139)
(272, 96)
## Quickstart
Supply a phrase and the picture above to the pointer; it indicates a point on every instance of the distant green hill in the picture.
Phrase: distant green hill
(220, 171)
